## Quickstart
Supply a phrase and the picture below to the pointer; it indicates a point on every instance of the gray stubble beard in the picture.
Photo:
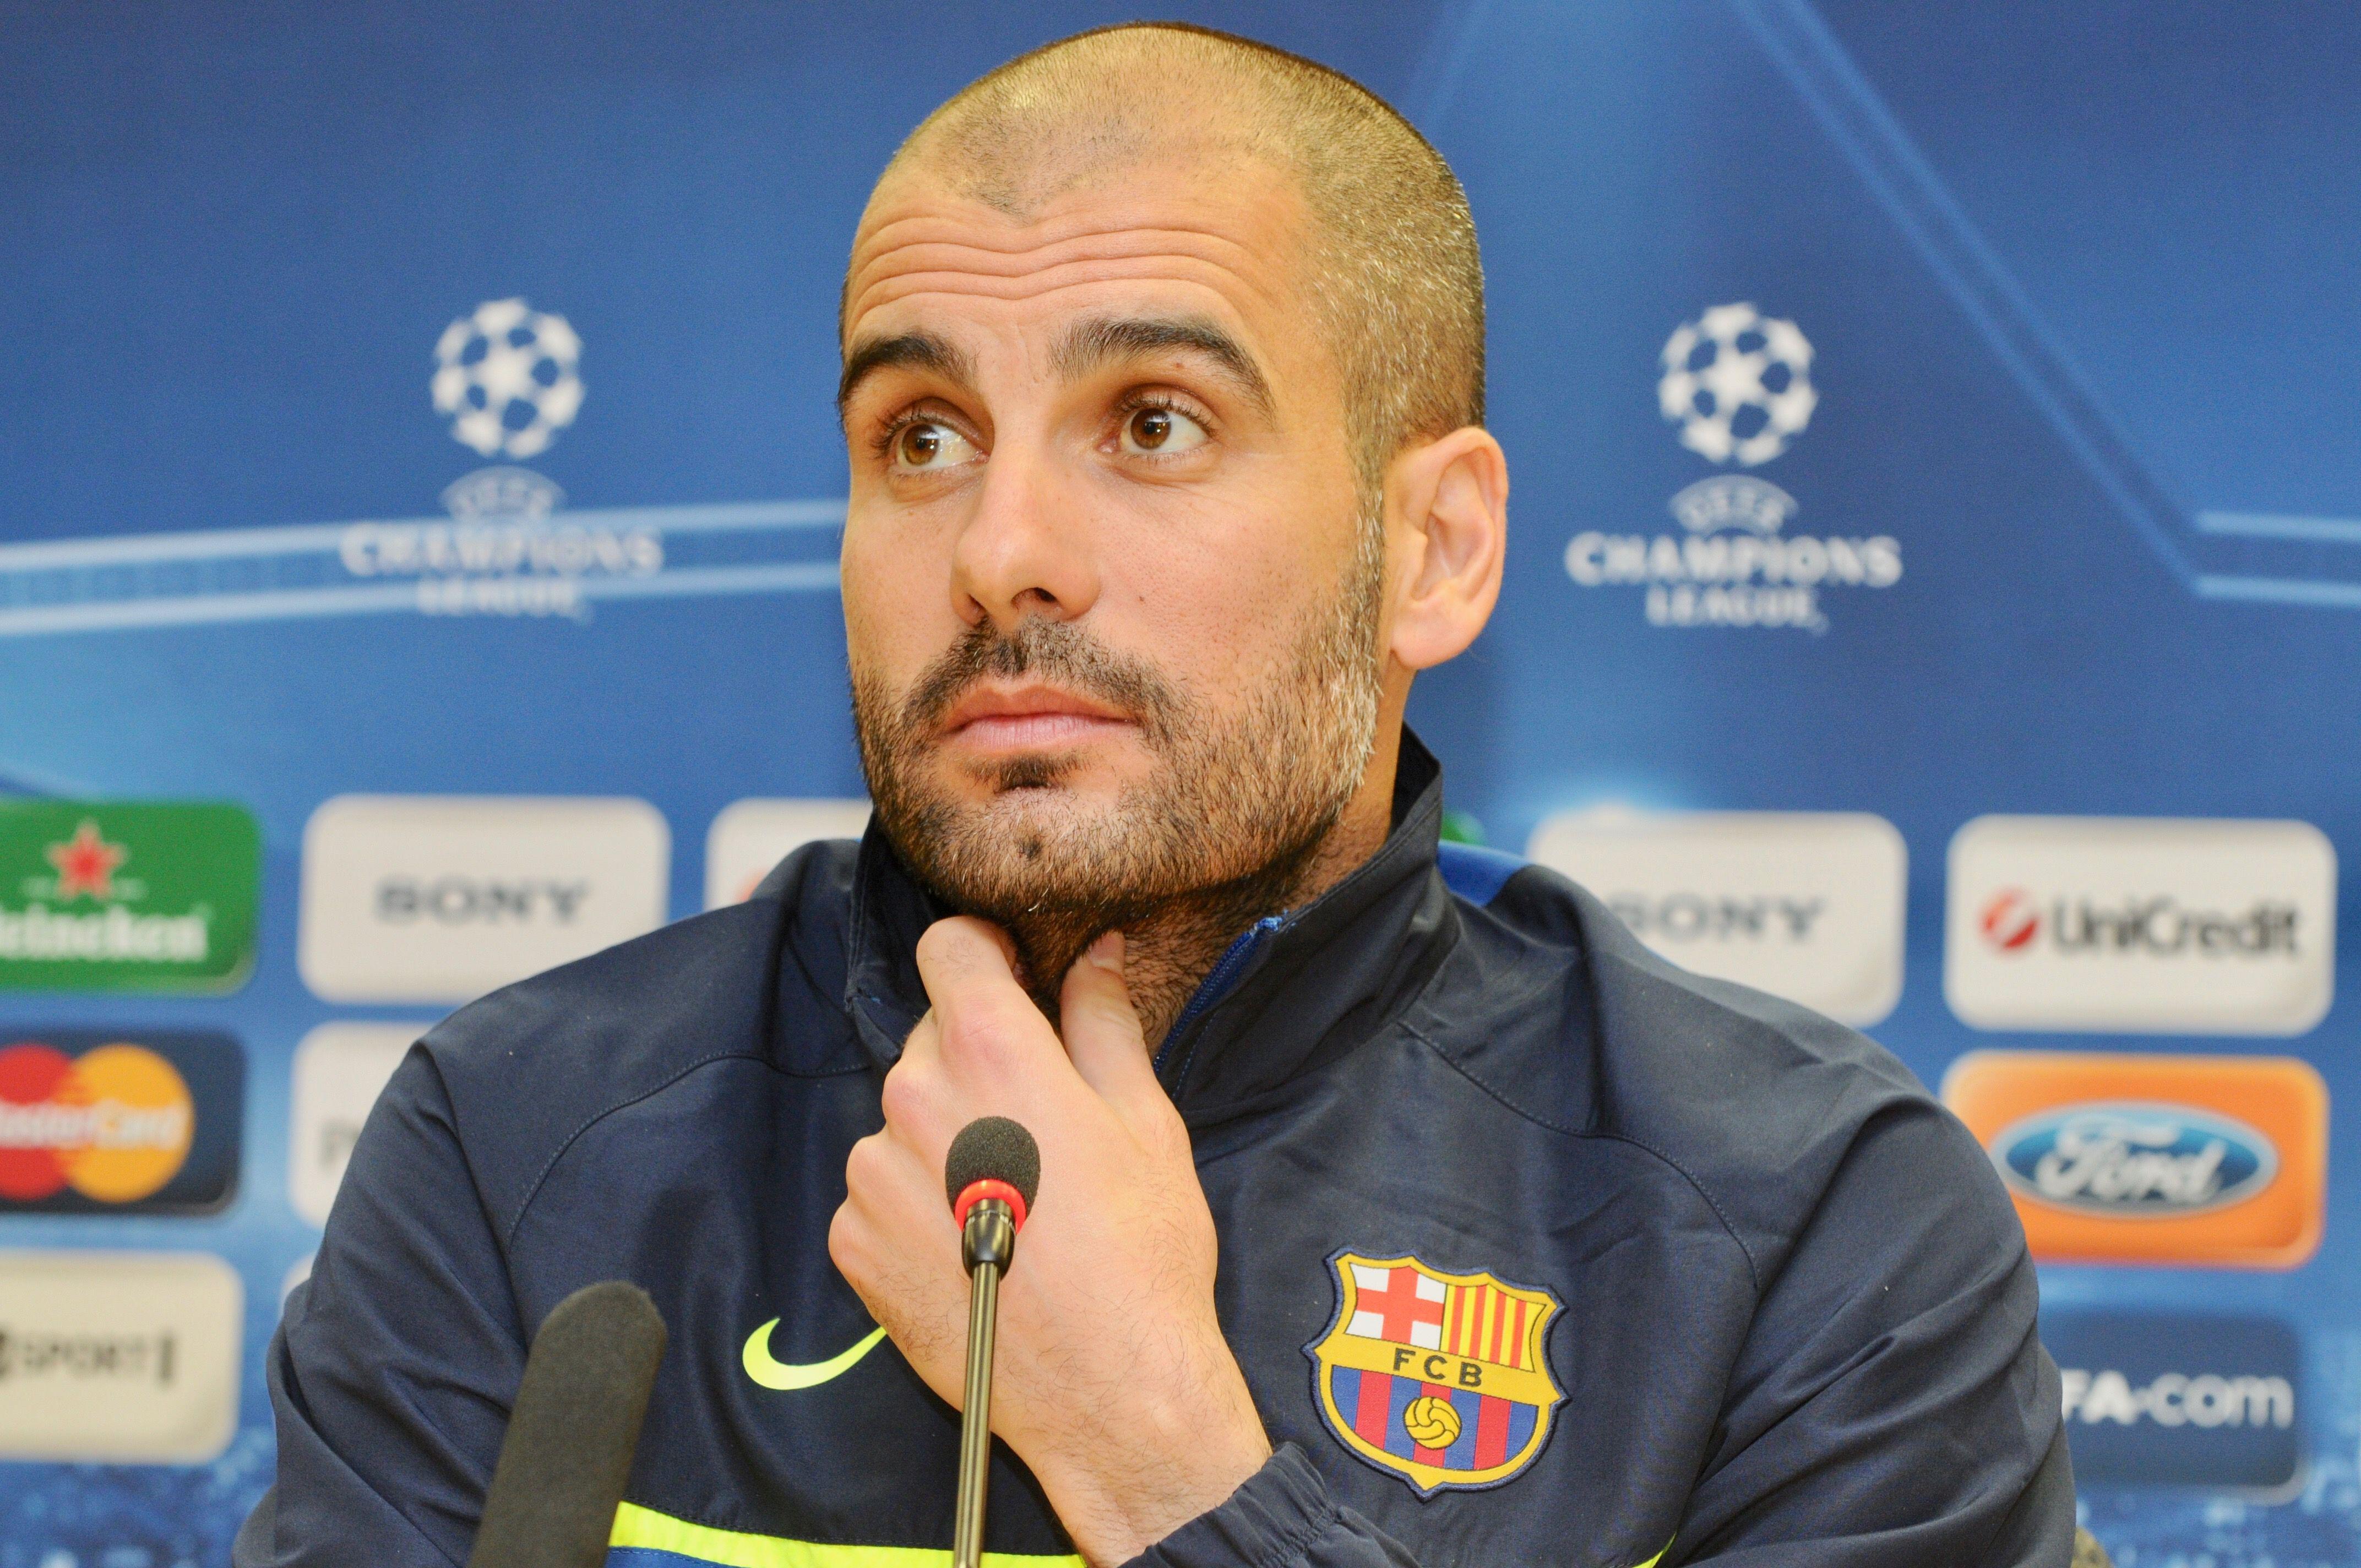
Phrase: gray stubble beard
(1221, 836)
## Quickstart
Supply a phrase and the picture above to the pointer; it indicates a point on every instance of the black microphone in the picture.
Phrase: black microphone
(991, 1175)
(577, 1419)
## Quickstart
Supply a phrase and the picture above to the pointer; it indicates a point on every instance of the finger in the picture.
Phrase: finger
(980, 1012)
(1102, 1028)
(923, 1042)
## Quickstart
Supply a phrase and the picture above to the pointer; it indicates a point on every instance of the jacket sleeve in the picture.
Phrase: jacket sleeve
(394, 1364)
(1893, 1407)
(1282, 1518)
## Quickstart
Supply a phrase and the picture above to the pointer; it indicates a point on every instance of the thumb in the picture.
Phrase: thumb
(1102, 1031)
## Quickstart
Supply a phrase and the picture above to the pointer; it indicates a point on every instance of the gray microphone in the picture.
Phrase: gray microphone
(572, 1431)
(990, 1174)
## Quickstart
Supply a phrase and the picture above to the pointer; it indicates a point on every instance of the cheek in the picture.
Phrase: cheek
(1222, 604)
(894, 599)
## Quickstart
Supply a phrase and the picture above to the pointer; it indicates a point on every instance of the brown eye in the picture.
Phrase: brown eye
(929, 446)
(1164, 432)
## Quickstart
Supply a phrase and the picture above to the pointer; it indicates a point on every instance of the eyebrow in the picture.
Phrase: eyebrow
(1087, 346)
(910, 350)
(1091, 345)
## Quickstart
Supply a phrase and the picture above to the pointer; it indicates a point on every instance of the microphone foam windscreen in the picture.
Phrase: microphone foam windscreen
(995, 1147)
(567, 1454)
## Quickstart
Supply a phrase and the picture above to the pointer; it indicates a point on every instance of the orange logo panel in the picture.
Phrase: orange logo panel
(2176, 1161)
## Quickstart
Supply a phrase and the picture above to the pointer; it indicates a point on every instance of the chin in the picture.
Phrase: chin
(1065, 780)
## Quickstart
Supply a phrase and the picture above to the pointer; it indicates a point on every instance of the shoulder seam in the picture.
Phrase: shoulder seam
(1754, 1271)
(508, 1236)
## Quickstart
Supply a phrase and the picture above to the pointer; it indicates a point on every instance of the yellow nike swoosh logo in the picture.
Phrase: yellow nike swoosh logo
(785, 1375)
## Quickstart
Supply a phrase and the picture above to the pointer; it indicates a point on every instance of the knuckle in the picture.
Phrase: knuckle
(950, 940)
(907, 1090)
(865, 1163)
(847, 1247)
(980, 1038)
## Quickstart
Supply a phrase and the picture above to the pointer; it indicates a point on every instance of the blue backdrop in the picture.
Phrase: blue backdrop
(2077, 288)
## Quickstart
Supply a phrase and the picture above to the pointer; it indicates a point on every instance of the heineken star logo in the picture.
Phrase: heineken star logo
(86, 863)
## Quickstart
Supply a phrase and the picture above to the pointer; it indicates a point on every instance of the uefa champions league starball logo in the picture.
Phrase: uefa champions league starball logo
(1739, 384)
(504, 376)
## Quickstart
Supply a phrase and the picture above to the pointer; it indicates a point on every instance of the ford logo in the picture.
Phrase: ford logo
(2134, 1160)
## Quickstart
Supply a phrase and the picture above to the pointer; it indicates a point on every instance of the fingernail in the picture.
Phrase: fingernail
(1107, 951)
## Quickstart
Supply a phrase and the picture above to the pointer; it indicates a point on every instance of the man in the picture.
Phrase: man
(1395, 1207)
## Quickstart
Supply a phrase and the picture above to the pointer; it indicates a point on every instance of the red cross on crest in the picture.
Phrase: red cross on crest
(1401, 1304)
(86, 863)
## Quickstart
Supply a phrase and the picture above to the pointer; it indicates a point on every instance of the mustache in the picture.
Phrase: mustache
(1057, 652)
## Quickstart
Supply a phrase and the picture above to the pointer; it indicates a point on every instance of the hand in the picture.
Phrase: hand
(1112, 1380)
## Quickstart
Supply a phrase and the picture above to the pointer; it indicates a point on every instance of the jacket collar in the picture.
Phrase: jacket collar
(1297, 990)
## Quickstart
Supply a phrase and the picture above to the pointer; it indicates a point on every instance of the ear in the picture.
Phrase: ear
(1447, 523)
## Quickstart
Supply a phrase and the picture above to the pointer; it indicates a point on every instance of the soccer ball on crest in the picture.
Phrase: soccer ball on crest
(1739, 384)
(504, 376)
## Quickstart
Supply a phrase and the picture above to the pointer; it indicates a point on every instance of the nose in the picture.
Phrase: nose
(1025, 549)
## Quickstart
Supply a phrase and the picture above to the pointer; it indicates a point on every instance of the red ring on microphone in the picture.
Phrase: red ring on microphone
(984, 1187)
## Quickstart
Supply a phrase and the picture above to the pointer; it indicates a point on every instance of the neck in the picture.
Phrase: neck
(1170, 949)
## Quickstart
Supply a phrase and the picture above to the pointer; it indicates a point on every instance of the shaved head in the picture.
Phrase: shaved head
(1390, 261)
(1163, 375)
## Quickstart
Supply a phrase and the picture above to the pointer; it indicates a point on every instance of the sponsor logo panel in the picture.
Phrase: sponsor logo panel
(126, 896)
(421, 898)
(2156, 1399)
(2140, 924)
(2175, 1161)
(93, 1122)
(124, 1358)
(1809, 905)
(749, 836)
(340, 1069)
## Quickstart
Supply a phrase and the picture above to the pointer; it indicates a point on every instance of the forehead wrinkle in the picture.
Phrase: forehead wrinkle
(937, 253)
(994, 231)
(908, 232)
(1220, 282)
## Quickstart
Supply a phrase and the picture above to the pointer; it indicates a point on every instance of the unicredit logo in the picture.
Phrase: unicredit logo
(2013, 921)
(2135, 1159)
(2010, 920)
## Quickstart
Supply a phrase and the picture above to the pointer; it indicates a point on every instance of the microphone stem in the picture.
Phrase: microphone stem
(986, 1242)
(975, 1429)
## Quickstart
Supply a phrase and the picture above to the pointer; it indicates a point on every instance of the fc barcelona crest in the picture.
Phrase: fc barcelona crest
(1442, 1379)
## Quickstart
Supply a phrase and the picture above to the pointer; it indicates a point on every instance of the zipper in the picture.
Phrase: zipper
(1214, 986)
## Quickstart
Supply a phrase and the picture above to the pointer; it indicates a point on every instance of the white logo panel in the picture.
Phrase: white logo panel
(424, 898)
(751, 837)
(339, 1070)
(1807, 906)
(2140, 924)
(118, 1358)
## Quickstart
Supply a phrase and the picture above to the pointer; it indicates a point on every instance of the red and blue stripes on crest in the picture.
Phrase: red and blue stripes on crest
(1491, 1430)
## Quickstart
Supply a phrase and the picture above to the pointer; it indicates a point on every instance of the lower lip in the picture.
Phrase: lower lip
(1035, 732)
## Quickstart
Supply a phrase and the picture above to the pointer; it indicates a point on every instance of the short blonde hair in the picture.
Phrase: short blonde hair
(1394, 271)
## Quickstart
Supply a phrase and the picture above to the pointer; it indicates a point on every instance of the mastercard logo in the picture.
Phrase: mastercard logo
(112, 1124)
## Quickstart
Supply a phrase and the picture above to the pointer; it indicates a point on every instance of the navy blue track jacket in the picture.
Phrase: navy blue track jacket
(1535, 1249)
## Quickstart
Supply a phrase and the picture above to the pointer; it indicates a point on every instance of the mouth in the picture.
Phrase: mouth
(1002, 720)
